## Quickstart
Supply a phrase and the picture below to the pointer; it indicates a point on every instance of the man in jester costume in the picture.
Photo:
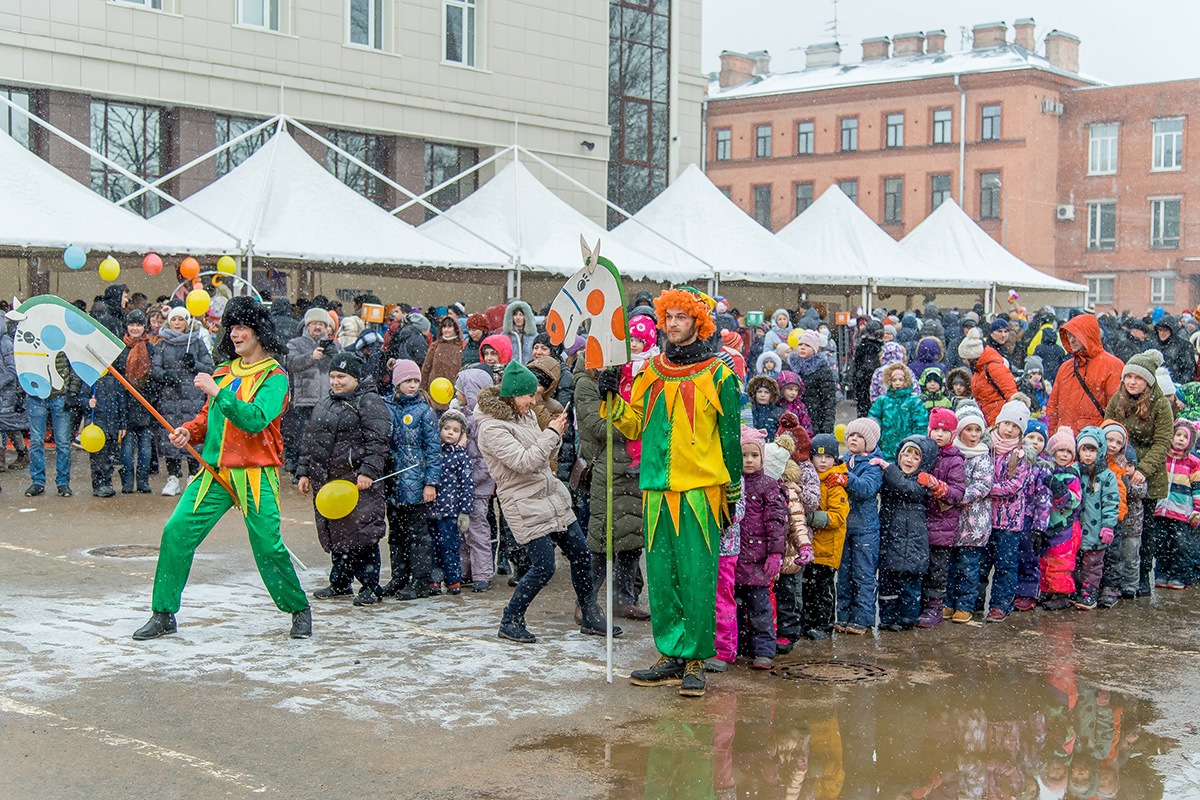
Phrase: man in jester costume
(240, 430)
(684, 407)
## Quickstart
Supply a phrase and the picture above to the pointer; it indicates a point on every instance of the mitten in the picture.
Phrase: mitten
(820, 519)
(939, 488)
(805, 555)
(609, 381)
(1106, 535)
(1194, 520)
(771, 566)
(837, 479)
(878, 462)
(464, 522)
(925, 479)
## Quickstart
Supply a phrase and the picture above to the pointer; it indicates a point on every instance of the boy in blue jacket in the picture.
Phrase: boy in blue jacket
(415, 444)
(856, 585)
(452, 509)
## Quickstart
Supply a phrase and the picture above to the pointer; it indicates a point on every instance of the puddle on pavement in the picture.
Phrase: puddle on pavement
(1028, 737)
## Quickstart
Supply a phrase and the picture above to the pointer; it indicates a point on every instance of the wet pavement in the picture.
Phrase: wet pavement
(421, 700)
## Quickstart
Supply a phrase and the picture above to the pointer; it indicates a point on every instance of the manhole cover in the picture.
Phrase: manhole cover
(125, 551)
(831, 672)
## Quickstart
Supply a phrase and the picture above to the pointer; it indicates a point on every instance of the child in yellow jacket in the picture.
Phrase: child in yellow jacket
(828, 526)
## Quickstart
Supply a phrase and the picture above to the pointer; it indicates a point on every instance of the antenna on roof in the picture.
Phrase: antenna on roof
(831, 27)
(962, 37)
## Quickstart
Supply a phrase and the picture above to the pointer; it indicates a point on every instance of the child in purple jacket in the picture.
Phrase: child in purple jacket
(1037, 516)
(942, 511)
(763, 542)
(1009, 493)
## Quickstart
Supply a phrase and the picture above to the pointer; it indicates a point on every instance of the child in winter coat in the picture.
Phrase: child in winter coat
(1098, 513)
(1009, 490)
(1037, 517)
(768, 364)
(1177, 515)
(943, 510)
(764, 404)
(1034, 386)
(452, 508)
(932, 394)
(105, 406)
(829, 537)
(904, 537)
(727, 612)
(763, 541)
(1116, 439)
(791, 389)
(476, 552)
(959, 381)
(414, 444)
(135, 364)
(975, 517)
(892, 353)
(1062, 531)
(856, 586)
(1132, 529)
(799, 478)
(900, 413)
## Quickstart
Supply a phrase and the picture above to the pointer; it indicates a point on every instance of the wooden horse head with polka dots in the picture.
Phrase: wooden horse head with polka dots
(594, 294)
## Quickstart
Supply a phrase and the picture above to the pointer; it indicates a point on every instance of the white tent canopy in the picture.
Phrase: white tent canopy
(953, 241)
(41, 207)
(699, 219)
(836, 237)
(283, 205)
(529, 224)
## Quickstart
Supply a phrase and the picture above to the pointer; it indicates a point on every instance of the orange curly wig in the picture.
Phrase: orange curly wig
(696, 305)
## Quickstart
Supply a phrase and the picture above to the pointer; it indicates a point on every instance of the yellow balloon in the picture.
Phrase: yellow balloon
(441, 390)
(337, 499)
(109, 270)
(794, 339)
(91, 439)
(197, 302)
(227, 265)
(839, 431)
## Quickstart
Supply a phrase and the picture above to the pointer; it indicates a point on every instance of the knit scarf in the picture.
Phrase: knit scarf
(137, 363)
(979, 449)
(683, 355)
(1003, 446)
(807, 366)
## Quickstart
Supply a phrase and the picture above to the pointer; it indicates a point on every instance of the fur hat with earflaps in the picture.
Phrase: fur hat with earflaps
(247, 312)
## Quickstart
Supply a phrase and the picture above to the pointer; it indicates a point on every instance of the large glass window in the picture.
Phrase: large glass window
(157, 5)
(134, 137)
(939, 190)
(990, 130)
(850, 189)
(1162, 288)
(638, 87)
(16, 124)
(228, 129)
(724, 144)
(762, 206)
(367, 148)
(893, 201)
(1100, 290)
(762, 141)
(1164, 223)
(461, 27)
(1102, 148)
(260, 13)
(895, 130)
(444, 161)
(1102, 226)
(849, 134)
(1168, 143)
(364, 22)
(943, 131)
(804, 197)
(989, 195)
(804, 139)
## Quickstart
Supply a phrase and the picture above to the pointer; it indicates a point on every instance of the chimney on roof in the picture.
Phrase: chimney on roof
(736, 69)
(828, 54)
(935, 42)
(1062, 50)
(875, 49)
(988, 34)
(1023, 34)
(762, 62)
(908, 44)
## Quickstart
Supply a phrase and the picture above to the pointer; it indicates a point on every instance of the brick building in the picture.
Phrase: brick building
(1001, 128)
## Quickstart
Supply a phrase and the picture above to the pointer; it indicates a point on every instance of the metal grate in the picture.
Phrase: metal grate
(830, 671)
(125, 551)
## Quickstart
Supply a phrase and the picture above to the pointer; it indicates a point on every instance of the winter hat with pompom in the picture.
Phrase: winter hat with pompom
(1144, 365)
(775, 459)
(1016, 412)
(789, 426)
(867, 428)
(644, 328)
(1063, 439)
(971, 347)
(942, 419)
(755, 437)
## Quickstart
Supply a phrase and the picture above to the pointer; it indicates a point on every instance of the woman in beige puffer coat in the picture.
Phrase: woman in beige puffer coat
(536, 504)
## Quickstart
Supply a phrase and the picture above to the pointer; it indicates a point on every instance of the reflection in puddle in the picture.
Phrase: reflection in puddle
(1025, 737)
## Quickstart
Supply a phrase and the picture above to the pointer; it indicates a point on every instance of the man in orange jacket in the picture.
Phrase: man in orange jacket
(1086, 381)
(992, 385)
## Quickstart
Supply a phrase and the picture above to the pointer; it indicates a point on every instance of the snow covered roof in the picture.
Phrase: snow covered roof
(953, 241)
(283, 204)
(703, 221)
(1003, 58)
(41, 207)
(525, 220)
(836, 237)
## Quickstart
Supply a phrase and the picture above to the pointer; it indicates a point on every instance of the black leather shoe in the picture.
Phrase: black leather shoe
(302, 624)
(332, 591)
(65, 491)
(665, 671)
(34, 490)
(161, 623)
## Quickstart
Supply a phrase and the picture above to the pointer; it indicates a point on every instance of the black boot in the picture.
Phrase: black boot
(161, 623)
(368, 595)
(594, 624)
(666, 670)
(411, 592)
(692, 684)
(332, 591)
(302, 624)
(513, 629)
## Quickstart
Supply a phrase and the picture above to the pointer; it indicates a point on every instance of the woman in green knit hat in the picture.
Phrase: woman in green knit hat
(535, 503)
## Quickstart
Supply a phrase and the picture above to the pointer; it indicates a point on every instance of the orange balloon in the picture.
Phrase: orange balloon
(189, 269)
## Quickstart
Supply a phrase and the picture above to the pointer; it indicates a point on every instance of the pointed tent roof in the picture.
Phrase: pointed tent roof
(43, 208)
(951, 239)
(282, 204)
(699, 217)
(524, 219)
(836, 237)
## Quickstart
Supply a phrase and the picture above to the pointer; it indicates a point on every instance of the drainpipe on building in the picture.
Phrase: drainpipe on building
(962, 140)
(704, 135)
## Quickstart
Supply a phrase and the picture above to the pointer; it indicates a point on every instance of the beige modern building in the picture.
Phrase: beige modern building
(419, 89)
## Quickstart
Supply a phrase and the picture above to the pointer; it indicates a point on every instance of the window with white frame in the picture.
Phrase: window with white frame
(1102, 148)
(1168, 144)
(461, 25)
(1162, 287)
(1102, 225)
(762, 205)
(943, 133)
(804, 138)
(849, 134)
(990, 124)
(895, 130)
(850, 189)
(1164, 223)
(365, 23)
(893, 201)
(804, 197)
(762, 141)
(724, 144)
(15, 123)
(267, 14)
(939, 190)
(157, 5)
(1100, 290)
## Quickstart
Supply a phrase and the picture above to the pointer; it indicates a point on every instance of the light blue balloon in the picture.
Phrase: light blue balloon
(74, 257)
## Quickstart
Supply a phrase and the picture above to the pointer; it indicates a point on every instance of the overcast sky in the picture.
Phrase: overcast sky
(1123, 42)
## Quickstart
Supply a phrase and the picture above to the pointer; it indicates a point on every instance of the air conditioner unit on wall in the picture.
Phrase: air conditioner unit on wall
(1066, 212)
(1052, 107)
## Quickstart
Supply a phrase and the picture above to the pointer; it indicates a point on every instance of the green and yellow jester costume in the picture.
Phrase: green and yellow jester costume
(240, 428)
(687, 418)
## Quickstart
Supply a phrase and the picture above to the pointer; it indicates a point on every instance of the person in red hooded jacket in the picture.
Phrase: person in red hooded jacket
(1086, 381)
(992, 384)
